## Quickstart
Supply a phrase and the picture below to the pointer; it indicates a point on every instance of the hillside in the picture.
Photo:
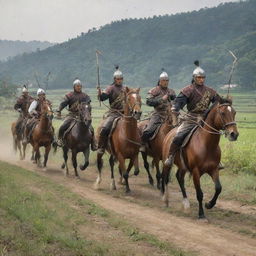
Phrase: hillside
(10, 49)
(143, 46)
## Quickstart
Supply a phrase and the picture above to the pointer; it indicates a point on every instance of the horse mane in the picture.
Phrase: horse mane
(219, 100)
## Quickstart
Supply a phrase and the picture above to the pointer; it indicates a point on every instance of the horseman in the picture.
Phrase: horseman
(22, 105)
(71, 100)
(160, 98)
(35, 112)
(115, 94)
(197, 97)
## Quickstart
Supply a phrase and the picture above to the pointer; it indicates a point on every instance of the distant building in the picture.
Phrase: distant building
(225, 86)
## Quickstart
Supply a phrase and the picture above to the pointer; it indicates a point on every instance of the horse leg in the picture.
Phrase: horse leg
(121, 177)
(65, 156)
(24, 146)
(165, 180)
(33, 156)
(86, 159)
(158, 174)
(125, 174)
(180, 174)
(136, 165)
(99, 166)
(199, 193)
(19, 147)
(37, 155)
(112, 163)
(218, 188)
(74, 161)
(146, 166)
(46, 154)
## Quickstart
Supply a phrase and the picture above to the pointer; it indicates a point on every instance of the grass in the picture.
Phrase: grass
(39, 217)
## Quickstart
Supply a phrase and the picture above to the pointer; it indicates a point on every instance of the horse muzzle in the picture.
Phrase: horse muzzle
(232, 135)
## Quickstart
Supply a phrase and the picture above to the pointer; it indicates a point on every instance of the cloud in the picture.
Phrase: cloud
(59, 20)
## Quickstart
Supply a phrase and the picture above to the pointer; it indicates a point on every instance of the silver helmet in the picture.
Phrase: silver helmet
(40, 91)
(118, 73)
(77, 82)
(163, 75)
(198, 71)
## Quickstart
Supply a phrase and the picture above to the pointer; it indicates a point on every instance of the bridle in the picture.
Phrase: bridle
(131, 108)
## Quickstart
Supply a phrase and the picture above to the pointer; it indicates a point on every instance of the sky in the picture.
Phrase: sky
(60, 20)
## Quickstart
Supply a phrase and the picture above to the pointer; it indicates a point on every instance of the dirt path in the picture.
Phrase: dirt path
(202, 238)
(188, 234)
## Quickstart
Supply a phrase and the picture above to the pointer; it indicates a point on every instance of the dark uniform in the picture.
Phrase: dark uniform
(22, 105)
(71, 100)
(197, 98)
(115, 94)
(159, 114)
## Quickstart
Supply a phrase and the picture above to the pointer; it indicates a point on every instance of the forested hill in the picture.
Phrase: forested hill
(142, 47)
(9, 48)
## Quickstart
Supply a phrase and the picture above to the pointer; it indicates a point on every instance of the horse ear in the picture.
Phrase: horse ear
(127, 89)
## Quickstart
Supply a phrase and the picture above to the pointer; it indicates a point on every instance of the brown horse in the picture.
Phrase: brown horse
(18, 140)
(154, 146)
(202, 153)
(78, 139)
(125, 140)
(43, 133)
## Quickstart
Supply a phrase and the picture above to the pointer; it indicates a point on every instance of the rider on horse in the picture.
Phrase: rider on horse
(115, 94)
(160, 98)
(72, 99)
(35, 112)
(197, 96)
(22, 105)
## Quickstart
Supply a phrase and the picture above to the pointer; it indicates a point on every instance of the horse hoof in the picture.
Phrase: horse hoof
(127, 191)
(151, 182)
(83, 167)
(186, 204)
(96, 186)
(202, 219)
(44, 169)
(63, 166)
(112, 186)
(77, 177)
(208, 205)
(136, 172)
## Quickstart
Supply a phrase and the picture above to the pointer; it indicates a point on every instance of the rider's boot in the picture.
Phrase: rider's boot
(173, 149)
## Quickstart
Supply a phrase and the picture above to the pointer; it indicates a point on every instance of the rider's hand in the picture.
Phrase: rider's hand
(165, 97)
(99, 92)
(19, 110)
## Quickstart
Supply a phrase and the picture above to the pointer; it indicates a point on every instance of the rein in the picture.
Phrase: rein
(215, 131)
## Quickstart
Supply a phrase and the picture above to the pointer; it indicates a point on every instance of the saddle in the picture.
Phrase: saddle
(188, 137)
(68, 130)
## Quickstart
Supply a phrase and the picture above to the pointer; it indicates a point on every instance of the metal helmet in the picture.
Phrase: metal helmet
(118, 73)
(40, 91)
(163, 75)
(24, 89)
(77, 82)
(198, 71)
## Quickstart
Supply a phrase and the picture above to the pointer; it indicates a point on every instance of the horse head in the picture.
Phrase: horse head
(224, 119)
(172, 118)
(133, 103)
(47, 109)
(85, 113)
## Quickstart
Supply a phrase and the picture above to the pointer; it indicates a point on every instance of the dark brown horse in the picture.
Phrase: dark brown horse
(154, 146)
(43, 133)
(202, 154)
(125, 140)
(78, 138)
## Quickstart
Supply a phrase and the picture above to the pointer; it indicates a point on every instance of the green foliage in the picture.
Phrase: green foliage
(143, 46)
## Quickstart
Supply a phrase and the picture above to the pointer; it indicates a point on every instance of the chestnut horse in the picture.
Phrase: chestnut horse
(125, 140)
(154, 146)
(202, 153)
(78, 139)
(43, 133)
